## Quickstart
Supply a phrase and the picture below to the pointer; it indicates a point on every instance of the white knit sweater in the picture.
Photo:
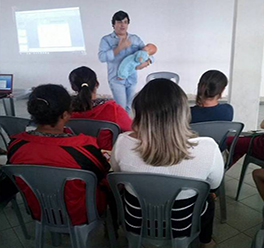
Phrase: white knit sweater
(207, 163)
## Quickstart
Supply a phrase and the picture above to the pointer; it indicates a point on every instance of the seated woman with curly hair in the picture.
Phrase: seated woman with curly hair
(50, 108)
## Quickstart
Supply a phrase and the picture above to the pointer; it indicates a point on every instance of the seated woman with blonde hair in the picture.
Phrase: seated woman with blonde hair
(86, 105)
(162, 142)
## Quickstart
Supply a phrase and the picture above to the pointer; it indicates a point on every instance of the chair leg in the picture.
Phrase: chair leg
(110, 229)
(20, 218)
(242, 176)
(222, 201)
(40, 235)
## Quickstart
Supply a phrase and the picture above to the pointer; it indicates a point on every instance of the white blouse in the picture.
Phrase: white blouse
(206, 163)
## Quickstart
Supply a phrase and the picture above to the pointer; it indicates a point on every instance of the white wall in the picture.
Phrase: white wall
(247, 61)
(192, 36)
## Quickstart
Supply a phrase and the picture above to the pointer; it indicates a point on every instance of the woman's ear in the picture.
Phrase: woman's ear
(66, 116)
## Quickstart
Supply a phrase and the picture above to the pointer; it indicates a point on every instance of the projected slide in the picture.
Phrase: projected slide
(52, 30)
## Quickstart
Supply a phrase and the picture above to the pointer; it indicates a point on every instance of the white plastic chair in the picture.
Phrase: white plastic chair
(164, 74)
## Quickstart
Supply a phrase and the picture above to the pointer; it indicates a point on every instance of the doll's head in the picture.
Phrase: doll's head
(150, 49)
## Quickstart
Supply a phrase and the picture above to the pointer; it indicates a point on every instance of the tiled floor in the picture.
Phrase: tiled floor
(243, 220)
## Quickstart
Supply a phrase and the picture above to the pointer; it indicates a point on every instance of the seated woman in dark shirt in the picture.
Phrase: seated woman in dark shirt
(210, 89)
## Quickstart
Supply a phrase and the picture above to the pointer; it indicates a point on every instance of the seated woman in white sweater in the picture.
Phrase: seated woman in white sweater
(162, 142)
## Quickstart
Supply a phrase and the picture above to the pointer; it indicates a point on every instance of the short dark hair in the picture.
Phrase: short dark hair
(47, 103)
(119, 16)
(83, 80)
(211, 84)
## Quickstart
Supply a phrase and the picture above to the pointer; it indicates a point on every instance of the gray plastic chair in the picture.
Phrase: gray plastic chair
(249, 158)
(258, 241)
(93, 127)
(9, 106)
(164, 74)
(47, 183)
(219, 130)
(156, 194)
(13, 125)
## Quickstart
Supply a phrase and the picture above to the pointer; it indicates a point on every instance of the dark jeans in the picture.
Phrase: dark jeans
(7, 187)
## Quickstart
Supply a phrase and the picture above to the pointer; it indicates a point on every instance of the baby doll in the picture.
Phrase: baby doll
(129, 64)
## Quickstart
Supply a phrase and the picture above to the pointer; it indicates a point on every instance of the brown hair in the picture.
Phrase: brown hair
(211, 84)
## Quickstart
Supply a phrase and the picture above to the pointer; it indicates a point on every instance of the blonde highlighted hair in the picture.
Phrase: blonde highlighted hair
(161, 122)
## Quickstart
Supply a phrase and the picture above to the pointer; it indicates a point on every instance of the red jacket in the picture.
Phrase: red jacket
(80, 152)
(107, 111)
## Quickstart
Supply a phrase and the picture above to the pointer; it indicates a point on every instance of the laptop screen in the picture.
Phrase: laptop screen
(6, 83)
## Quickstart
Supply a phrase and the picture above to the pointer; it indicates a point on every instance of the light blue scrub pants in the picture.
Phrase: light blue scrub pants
(123, 94)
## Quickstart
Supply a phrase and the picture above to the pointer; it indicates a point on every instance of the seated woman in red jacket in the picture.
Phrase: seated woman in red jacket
(49, 106)
(85, 104)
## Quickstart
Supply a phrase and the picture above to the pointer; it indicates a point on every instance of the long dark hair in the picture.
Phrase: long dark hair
(83, 80)
(47, 103)
(211, 84)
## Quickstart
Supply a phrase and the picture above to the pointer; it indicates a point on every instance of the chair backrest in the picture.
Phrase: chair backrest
(13, 125)
(219, 130)
(93, 127)
(156, 194)
(48, 183)
(9, 106)
(164, 74)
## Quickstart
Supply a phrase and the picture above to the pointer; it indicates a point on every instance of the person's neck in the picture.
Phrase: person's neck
(94, 95)
(210, 102)
(50, 129)
(122, 35)
(133, 134)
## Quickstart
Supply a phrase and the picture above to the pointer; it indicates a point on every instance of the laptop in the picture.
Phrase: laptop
(6, 85)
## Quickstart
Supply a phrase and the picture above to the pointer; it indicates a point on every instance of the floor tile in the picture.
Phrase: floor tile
(235, 171)
(11, 216)
(8, 239)
(98, 239)
(19, 198)
(222, 232)
(246, 190)
(249, 180)
(122, 241)
(4, 224)
(254, 202)
(241, 217)
(228, 178)
(239, 241)
(31, 242)
(253, 230)
(253, 166)
(3, 159)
